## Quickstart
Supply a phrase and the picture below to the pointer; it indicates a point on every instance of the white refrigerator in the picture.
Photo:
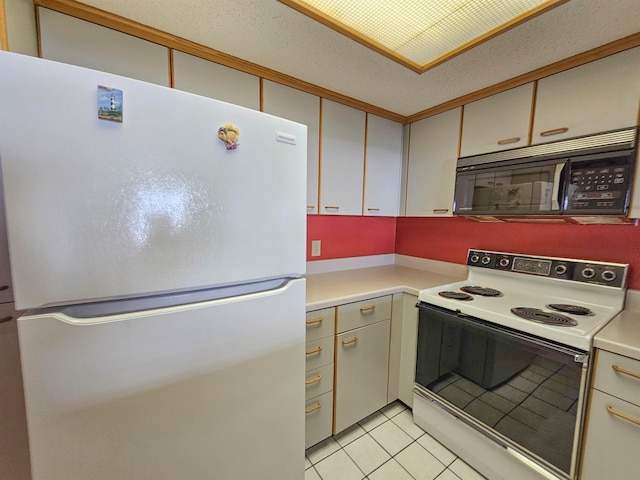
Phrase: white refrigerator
(161, 268)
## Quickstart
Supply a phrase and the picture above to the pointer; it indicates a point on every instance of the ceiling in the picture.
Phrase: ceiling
(271, 34)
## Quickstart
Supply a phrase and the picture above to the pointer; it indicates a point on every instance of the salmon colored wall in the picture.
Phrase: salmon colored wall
(346, 236)
(448, 239)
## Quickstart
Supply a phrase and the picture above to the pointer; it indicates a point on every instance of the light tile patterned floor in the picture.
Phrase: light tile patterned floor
(385, 446)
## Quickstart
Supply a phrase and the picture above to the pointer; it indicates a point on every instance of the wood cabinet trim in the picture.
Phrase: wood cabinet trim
(4, 37)
(597, 53)
(124, 25)
(130, 27)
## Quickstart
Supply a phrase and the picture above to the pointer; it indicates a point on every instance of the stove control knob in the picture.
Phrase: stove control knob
(609, 275)
(504, 262)
(474, 258)
(486, 259)
(560, 269)
(588, 273)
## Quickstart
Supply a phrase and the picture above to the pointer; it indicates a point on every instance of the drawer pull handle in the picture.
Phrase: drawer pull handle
(4, 287)
(310, 206)
(507, 141)
(440, 210)
(6, 319)
(555, 131)
(367, 309)
(332, 207)
(315, 350)
(622, 415)
(314, 321)
(349, 342)
(314, 380)
(313, 409)
(626, 372)
(373, 209)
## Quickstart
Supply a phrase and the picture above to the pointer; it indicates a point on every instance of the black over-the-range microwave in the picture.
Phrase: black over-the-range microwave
(587, 175)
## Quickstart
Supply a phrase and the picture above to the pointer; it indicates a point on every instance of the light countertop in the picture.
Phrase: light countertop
(622, 334)
(345, 286)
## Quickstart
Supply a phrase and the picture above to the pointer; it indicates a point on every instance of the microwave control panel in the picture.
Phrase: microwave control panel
(598, 188)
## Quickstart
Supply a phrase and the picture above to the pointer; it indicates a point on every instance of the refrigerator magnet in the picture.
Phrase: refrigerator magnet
(229, 134)
(109, 104)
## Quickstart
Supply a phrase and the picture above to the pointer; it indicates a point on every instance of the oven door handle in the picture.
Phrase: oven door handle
(558, 186)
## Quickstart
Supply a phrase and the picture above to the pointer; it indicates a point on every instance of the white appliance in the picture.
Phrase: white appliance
(165, 336)
(503, 360)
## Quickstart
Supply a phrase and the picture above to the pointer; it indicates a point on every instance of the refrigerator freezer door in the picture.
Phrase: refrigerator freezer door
(208, 390)
(99, 209)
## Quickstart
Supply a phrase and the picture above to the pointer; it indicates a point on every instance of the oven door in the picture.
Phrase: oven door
(517, 390)
(531, 188)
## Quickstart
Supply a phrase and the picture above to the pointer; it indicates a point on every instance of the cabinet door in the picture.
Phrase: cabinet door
(431, 175)
(301, 107)
(383, 167)
(497, 122)
(596, 97)
(362, 364)
(611, 443)
(70, 40)
(342, 159)
(209, 79)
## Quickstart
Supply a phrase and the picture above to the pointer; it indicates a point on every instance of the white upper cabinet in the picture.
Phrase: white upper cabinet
(70, 40)
(301, 107)
(596, 97)
(209, 79)
(383, 167)
(433, 152)
(342, 159)
(498, 122)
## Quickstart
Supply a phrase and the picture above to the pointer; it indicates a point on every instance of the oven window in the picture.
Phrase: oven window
(526, 392)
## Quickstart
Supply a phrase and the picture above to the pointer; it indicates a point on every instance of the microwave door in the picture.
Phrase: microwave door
(514, 189)
(557, 193)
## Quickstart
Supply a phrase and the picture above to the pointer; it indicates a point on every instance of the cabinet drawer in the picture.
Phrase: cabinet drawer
(611, 446)
(318, 381)
(618, 376)
(320, 323)
(318, 419)
(319, 353)
(359, 314)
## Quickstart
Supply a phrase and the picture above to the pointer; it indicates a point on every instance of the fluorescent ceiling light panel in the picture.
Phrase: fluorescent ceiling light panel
(421, 34)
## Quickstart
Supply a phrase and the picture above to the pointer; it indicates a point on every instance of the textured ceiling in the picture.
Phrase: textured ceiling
(273, 35)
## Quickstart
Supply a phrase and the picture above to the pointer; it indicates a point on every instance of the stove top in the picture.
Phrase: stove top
(563, 300)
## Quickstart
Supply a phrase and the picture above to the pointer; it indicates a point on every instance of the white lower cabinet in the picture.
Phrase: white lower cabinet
(613, 423)
(319, 375)
(362, 361)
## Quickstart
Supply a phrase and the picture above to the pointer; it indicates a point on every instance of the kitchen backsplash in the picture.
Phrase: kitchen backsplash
(448, 239)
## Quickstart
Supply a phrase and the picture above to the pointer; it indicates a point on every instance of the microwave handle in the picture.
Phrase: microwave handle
(557, 182)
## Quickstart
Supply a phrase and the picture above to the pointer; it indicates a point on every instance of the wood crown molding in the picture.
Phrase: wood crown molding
(124, 25)
(597, 53)
(4, 37)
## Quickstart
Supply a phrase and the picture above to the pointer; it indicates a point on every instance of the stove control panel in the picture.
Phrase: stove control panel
(600, 273)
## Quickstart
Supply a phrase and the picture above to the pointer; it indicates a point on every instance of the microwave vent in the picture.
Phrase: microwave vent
(614, 140)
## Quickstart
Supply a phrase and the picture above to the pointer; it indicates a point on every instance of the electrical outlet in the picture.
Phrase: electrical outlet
(315, 248)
